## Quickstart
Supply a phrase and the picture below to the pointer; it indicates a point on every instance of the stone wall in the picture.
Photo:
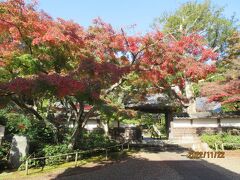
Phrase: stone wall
(186, 127)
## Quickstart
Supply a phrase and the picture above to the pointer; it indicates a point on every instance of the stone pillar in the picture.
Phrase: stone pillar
(2, 130)
(19, 149)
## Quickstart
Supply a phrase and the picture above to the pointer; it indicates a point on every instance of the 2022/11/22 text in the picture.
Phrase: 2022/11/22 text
(202, 154)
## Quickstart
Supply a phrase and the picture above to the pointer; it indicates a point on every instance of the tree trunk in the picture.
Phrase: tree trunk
(105, 127)
(76, 136)
(191, 109)
(82, 119)
(168, 120)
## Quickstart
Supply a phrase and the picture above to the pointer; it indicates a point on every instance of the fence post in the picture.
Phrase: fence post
(216, 147)
(34, 161)
(122, 147)
(222, 147)
(106, 157)
(128, 146)
(76, 158)
(26, 166)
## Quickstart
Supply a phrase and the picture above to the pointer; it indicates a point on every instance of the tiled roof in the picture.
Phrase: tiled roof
(235, 114)
(154, 102)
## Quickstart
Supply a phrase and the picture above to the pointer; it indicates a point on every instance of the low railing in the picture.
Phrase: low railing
(74, 154)
(223, 145)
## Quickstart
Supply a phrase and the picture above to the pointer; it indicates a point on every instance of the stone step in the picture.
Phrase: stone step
(184, 135)
(183, 132)
(185, 140)
(200, 147)
(198, 130)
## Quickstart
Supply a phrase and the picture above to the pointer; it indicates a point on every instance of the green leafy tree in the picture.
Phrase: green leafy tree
(202, 18)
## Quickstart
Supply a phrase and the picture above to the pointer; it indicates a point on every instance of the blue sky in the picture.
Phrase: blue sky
(122, 13)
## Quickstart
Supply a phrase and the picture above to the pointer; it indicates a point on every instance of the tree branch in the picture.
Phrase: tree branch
(27, 108)
(31, 110)
(89, 114)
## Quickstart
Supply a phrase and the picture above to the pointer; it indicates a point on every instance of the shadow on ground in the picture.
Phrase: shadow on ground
(133, 168)
(158, 148)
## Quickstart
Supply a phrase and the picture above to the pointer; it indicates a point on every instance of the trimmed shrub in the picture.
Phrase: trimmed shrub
(95, 139)
(54, 150)
(229, 141)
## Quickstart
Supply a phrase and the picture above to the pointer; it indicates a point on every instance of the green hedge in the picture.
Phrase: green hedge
(230, 141)
(90, 141)
(95, 139)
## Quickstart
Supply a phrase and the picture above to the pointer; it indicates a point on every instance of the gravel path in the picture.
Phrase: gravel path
(162, 165)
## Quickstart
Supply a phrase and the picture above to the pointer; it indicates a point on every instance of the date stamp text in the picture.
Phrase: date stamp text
(202, 154)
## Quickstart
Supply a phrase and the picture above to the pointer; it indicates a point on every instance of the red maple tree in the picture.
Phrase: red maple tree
(58, 60)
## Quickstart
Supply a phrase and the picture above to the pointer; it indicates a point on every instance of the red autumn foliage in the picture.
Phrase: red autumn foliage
(73, 60)
(62, 85)
(224, 92)
(20, 86)
(21, 126)
(166, 58)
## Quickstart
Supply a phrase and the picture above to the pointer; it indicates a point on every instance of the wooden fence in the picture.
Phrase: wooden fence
(75, 154)
(223, 145)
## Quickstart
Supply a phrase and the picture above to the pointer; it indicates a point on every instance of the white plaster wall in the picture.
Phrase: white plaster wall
(91, 124)
(233, 122)
(181, 123)
(2, 130)
(195, 123)
(204, 123)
